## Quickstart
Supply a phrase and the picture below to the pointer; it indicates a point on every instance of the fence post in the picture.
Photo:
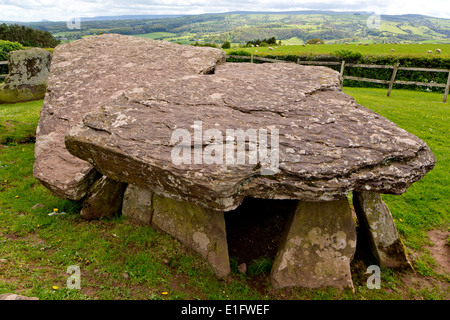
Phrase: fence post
(251, 58)
(298, 60)
(446, 88)
(394, 73)
(342, 67)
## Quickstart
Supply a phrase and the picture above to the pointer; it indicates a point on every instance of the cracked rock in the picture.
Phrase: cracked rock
(328, 144)
(86, 74)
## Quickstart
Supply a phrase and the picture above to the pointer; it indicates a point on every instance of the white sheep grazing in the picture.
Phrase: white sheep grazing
(429, 51)
(270, 48)
(366, 44)
(438, 50)
(346, 43)
(392, 50)
(304, 44)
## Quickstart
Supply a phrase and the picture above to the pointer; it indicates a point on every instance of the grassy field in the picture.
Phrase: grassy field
(157, 35)
(120, 259)
(371, 49)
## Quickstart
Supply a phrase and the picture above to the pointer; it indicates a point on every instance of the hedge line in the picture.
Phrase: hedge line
(374, 73)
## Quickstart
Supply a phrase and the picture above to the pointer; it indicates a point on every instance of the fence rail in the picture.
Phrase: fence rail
(391, 82)
(3, 63)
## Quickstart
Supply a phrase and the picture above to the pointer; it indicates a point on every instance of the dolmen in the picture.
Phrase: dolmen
(175, 137)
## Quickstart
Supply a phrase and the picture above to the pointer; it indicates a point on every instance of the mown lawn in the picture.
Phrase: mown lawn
(120, 259)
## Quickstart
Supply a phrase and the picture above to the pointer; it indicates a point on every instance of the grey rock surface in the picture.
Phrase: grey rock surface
(319, 243)
(87, 74)
(27, 77)
(328, 144)
(13, 296)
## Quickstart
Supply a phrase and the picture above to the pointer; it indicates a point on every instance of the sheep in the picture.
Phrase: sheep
(438, 50)
(304, 44)
(392, 50)
(270, 48)
(360, 43)
(366, 44)
(429, 51)
(346, 43)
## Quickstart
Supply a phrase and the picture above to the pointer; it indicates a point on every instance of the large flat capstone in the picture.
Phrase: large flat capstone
(328, 144)
(87, 74)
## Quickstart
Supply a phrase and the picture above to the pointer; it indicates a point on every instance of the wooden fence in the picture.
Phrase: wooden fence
(3, 63)
(391, 82)
(342, 64)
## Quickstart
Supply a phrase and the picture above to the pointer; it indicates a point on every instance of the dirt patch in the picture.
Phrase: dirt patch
(440, 250)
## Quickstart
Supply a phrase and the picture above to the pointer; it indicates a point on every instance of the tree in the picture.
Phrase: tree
(27, 36)
(315, 41)
(226, 45)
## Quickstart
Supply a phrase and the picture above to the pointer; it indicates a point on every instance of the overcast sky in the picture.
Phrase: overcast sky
(63, 10)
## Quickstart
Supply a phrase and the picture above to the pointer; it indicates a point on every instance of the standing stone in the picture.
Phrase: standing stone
(27, 77)
(200, 229)
(317, 247)
(377, 223)
(137, 204)
(104, 199)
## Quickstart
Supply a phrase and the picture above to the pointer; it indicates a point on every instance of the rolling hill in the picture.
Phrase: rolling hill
(239, 27)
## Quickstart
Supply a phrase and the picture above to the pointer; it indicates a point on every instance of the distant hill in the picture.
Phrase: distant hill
(292, 27)
(131, 17)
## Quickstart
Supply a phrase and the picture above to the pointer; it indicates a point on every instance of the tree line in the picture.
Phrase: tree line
(27, 36)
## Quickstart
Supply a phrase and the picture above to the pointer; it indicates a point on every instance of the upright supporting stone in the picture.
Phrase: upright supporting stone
(377, 223)
(200, 229)
(27, 78)
(318, 244)
(137, 204)
(104, 199)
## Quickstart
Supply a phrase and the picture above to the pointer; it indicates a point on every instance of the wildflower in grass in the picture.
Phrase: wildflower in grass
(165, 292)
(55, 287)
(16, 197)
(55, 210)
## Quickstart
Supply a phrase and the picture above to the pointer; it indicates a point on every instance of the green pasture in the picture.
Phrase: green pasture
(371, 49)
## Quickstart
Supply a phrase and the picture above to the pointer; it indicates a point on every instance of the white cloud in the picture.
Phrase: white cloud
(27, 10)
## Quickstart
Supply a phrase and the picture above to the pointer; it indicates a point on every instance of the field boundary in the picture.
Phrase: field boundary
(3, 63)
(343, 65)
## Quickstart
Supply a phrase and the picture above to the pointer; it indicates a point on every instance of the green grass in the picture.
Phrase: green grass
(426, 204)
(371, 49)
(19, 121)
(39, 248)
(156, 35)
